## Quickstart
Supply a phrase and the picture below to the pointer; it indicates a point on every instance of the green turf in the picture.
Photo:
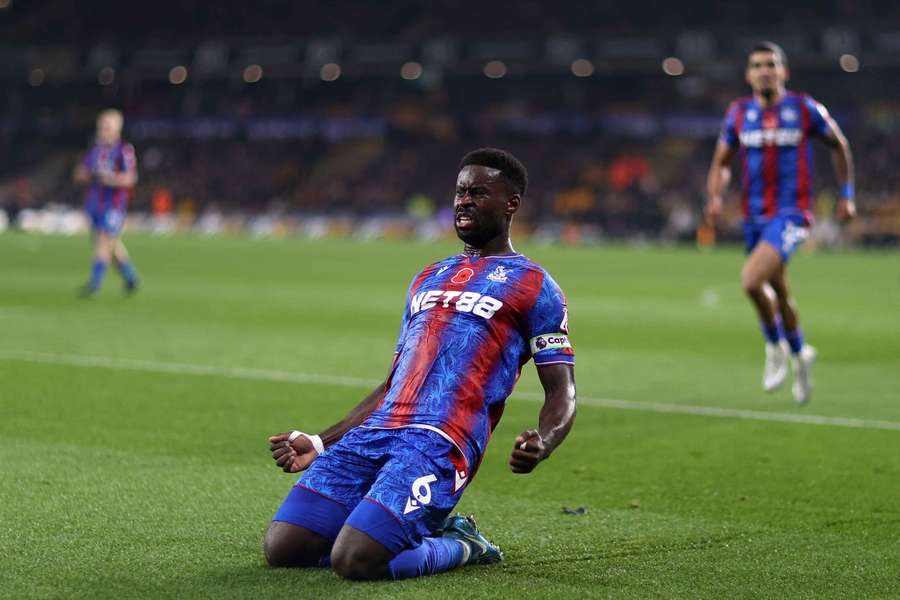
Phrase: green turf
(148, 483)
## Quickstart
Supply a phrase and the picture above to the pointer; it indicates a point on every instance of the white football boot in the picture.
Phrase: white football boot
(775, 371)
(802, 363)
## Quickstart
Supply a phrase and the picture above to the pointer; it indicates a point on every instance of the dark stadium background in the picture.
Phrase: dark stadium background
(312, 118)
(294, 155)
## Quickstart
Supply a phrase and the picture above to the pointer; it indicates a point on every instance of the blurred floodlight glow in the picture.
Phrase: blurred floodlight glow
(582, 67)
(5, 4)
(495, 69)
(849, 63)
(253, 73)
(411, 70)
(106, 76)
(673, 66)
(330, 72)
(36, 77)
(178, 75)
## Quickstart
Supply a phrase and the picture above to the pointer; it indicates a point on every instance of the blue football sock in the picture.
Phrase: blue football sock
(773, 333)
(127, 271)
(98, 270)
(432, 556)
(794, 339)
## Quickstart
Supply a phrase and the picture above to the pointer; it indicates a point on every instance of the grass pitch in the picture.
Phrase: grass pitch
(133, 431)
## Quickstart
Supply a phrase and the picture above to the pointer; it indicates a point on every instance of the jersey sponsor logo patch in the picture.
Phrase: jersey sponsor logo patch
(464, 302)
(421, 493)
(767, 137)
(549, 341)
(498, 275)
(462, 276)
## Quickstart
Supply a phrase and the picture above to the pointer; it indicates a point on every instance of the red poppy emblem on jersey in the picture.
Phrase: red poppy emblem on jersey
(462, 276)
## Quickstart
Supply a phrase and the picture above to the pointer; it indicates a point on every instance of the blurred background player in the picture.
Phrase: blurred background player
(109, 169)
(772, 129)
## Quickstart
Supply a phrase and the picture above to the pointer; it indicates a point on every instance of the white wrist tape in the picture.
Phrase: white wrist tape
(315, 439)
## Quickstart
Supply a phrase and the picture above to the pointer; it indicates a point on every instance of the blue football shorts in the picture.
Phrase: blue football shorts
(395, 485)
(110, 220)
(785, 232)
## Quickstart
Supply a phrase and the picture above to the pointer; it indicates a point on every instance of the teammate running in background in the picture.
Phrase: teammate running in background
(379, 486)
(772, 129)
(109, 169)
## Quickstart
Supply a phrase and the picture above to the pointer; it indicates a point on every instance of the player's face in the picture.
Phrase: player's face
(482, 205)
(766, 72)
(109, 129)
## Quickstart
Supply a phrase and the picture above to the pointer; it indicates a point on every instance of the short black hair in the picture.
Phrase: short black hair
(509, 166)
(767, 46)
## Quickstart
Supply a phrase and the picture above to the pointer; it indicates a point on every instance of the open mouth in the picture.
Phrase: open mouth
(464, 221)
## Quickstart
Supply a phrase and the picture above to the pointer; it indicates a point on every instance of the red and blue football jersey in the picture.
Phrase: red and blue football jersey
(469, 326)
(115, 158)
(775, 154)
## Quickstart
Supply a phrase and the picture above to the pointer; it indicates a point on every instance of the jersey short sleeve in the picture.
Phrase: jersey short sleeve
(818, 117)
(548, 326)
(729, 134)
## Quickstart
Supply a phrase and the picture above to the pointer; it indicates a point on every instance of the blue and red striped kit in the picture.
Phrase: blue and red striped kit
(115, 158)
(775, 153)
(469, 326)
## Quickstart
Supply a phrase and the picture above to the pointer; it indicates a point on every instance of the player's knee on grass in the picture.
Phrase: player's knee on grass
(358, 557)
(287, 545)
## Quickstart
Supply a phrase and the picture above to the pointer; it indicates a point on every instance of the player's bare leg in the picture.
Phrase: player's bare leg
(785, 302)
(759, 269)
(357, 556)
(803, 355)
(103, 246)
(101, 257)
(288, 545)
(123, 263)
(119, 252)
(457, 543)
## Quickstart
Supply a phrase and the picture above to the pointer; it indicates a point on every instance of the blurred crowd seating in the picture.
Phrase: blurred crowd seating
(621, 153)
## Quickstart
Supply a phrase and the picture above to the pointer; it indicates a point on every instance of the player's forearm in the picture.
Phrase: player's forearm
(557, 417)
(356, 417)
(842, 160)
(717, 181)
(120, 180)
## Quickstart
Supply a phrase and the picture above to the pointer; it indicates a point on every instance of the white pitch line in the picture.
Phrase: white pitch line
(155, 366)
(728, 413)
